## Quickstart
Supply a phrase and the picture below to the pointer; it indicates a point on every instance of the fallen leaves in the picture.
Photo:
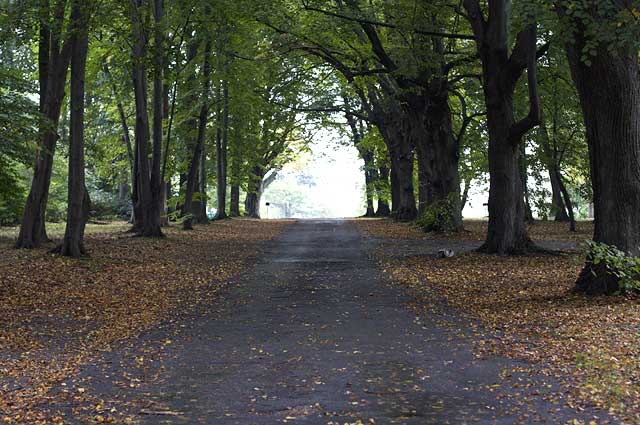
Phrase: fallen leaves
(592, 343)
(57, 313)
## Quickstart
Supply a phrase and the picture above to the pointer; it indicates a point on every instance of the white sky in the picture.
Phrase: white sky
(337, 171)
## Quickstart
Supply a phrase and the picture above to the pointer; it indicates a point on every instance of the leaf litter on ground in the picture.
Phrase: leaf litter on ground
(592, 344)
(57, 314)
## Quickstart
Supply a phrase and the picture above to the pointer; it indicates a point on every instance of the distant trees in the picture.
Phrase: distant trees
(223, 94)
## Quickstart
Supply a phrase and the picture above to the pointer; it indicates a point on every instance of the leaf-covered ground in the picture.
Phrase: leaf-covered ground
(57, 313)
(593, 344)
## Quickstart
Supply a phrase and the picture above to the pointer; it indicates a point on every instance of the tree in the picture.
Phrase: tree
(146, 204)
(501, 71)
(197, 155)
(78, 197)
(54, 55)
(604, 66)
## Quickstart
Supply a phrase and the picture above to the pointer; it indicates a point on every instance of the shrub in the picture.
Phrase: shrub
(618, 263)
(438, 217)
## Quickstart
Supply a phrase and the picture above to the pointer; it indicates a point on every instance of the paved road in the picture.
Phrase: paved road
(314, 335)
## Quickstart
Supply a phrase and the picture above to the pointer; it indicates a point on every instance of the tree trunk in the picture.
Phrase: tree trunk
(465, 194)
(567, 201)
(609, 91)
(196, 159)
(32, 229)
(234, 205)
(147, 217)
(254, 193)
(402, 163)
(438, 152)
(200, 207)
(221, 154)
(158, 191)
(558, 207)
(500, 71)
(252, 204)
(77, 206)
(423, 180)
(381, 189)
(524, 176)
(370, 181)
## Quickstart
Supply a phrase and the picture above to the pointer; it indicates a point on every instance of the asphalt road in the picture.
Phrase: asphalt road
(313, 334)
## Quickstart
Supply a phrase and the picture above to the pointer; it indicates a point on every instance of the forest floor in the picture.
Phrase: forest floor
(57, 314)
(256, 323)
(525, 306)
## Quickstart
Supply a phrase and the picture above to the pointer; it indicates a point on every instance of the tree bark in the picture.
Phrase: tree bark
(567, 201)
(383, 203)
(370, 181)
(507, 232)
(254, 193)
(77, 205)
(158, 191)
(524, 176)
(609, 91)
(221, 154)
(54, 71)
(402, 163)
(234, 201)
(438, 151)
(146, 210)
(558, 207)
(196, 159)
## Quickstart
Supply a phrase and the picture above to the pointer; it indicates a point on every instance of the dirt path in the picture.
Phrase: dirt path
(313, 335)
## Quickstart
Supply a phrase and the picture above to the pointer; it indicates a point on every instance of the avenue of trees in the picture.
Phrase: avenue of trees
(140, 107)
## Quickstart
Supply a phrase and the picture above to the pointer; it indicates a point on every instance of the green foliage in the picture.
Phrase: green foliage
(12, 194)
(438, 217)
(623, 266)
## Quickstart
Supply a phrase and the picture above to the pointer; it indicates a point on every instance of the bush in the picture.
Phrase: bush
(623, 266)
(438, 217)
(12, 196)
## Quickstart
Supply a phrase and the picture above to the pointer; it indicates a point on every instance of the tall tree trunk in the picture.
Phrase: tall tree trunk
(423, 180)
(465, 194)
(370, 181)
(507, 232)
(438, 151)
(157, 186)
(558, 207)
(381, 188)
(221, 154)
(402, 163)
(77, 207)
(254, 192)
(147, 217)
(196, 159)
(524, 176)
(567, 201)
(357, 134)
(609, 91)
(200, 207)
(32, 229)
(126, 137)
(236, 166)
(234, 201)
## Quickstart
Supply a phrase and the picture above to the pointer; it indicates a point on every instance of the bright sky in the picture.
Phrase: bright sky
(337, 171)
